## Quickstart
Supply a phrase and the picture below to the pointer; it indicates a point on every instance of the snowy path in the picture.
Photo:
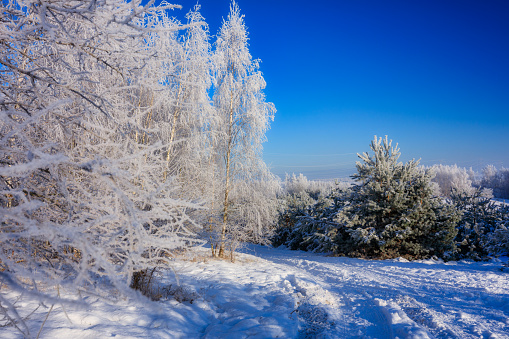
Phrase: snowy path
(276, 293)
(309, 295)
(384, 299)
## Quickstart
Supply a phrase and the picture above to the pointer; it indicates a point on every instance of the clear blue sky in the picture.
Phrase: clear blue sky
(432, 75)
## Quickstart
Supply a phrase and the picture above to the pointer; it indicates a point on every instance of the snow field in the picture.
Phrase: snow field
(397, 298)
(276, 293)
(247, 300)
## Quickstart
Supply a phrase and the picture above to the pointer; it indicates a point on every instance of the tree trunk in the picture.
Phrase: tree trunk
(227, 184)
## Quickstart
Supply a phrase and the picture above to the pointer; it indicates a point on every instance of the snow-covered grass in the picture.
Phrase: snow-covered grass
(271, 293)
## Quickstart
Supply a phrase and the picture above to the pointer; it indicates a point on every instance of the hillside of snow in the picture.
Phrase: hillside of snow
(277, 293)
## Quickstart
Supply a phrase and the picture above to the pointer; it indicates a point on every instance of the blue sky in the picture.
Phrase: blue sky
(432, 75)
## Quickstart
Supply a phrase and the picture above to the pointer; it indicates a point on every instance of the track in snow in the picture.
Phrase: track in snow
(388, 299)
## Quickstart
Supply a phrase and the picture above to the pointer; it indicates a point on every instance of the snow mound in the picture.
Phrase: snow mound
(402, 325)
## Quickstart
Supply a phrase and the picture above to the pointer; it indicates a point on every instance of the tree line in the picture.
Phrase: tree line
(395, 209)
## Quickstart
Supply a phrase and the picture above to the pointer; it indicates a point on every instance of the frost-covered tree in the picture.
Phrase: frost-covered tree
(82, 99)
(308, 224)
(298, 184)
(497, 180)
(107, 132)
(189, 120)
(243, 118)
(253, 207)
(128, 151)
(392, 210)
(452, 179)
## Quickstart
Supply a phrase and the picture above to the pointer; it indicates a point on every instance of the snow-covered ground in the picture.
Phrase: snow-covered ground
(271, 293)
(501, 201)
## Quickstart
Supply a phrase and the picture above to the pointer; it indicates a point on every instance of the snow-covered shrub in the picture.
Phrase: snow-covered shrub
(292, 207)
(498, 240)
(179, 293)
(301, 223)
(308, 224)
(310, 229)
(320, 230)
(144, 281)
(392, 210)
(482, 229)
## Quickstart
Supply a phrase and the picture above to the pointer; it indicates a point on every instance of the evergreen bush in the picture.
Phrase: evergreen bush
(482, 230)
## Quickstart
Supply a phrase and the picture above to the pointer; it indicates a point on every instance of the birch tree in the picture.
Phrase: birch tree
(82, 192)
(191, 110)
(243, 115)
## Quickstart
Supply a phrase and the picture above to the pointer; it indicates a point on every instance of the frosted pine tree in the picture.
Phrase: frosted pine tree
(392, 211)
